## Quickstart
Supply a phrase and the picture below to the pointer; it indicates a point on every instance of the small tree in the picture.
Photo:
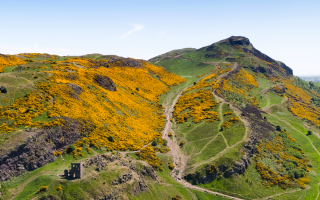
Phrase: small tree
(71, 148)
(278, 128)
(309, 132)
(3, 90)
(165, 142)
(154, 143)
(110, 138)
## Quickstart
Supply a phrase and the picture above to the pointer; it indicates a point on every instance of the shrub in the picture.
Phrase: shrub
(176, 197)
(154, 143)
(165, 142)
(181, 144)
(171, 166)
(59, 188)
(71, 148)
(137, 89)
(42, 189)
(309, 132)
(3, 90)
(110, 138)
(170, 134)
(278, 128)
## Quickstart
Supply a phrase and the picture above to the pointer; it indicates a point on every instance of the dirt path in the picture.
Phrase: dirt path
(221, 122)
(16, 191)
(179, 160)
(207, 144)
(287, 192)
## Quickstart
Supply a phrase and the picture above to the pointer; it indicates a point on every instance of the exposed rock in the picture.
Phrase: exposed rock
(238, 40)
(122, 179)
(125, 62)
(105, 82)
(99, 161)
(99, 63)
(75, 90)
(139, 187)
(72, 76)
(111, 196)
(38, 150)
(148, 170)
(288, 69)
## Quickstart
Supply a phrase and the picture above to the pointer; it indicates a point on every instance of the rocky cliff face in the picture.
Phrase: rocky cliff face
(244, 42)
(37, 150)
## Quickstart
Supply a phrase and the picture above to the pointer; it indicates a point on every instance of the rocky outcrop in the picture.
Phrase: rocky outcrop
(75, 90)
(122, 179)
(288, 69)
(37, 151)
(105, 82)
(111, 196)
(125, 62)
(100, 161)
(148, 170)
(99, 63)
(139, 187)
(238, 40)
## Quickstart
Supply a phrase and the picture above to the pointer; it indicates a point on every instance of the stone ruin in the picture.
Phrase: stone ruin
(76, 170)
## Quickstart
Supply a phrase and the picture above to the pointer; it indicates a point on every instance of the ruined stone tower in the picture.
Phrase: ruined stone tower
(76, 170)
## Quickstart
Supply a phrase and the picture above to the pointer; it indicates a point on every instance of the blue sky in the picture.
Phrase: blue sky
(285, 30)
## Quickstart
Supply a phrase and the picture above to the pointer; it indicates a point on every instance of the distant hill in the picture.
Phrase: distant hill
(310, 78)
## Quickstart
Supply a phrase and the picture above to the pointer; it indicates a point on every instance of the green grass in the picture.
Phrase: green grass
(274, 98)
(211, 53)
(205, 130)
(18, 85)
(247, 185)
(185, 68)
(30, 189)
(212, 149)
(236, 131)
(156, 59)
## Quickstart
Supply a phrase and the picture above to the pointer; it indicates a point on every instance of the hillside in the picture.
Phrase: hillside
(246, 119)
(221, 122)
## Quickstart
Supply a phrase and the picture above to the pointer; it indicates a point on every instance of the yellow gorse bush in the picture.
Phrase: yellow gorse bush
(8, 61)
(276, 150)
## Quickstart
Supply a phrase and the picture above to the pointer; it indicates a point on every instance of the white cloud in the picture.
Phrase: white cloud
(137, 27)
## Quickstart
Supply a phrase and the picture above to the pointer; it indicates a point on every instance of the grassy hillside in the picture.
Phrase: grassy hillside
(247, 101)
